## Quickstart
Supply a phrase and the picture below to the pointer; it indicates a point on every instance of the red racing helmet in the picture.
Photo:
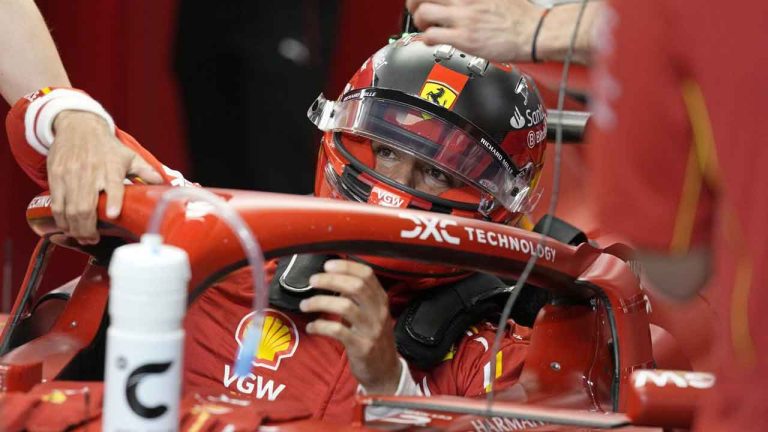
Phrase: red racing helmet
(481, 123)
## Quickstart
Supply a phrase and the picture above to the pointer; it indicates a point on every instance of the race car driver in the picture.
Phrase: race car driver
(416, 126)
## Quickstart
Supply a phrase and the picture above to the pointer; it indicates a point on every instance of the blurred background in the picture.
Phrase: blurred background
(216, 90)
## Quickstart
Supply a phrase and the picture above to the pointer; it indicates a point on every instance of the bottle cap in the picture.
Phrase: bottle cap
(148, 285)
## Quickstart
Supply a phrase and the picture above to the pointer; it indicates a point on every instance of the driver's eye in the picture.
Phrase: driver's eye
(385, 152)
(438, 175)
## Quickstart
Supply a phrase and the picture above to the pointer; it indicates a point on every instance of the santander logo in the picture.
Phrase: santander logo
(517, 121)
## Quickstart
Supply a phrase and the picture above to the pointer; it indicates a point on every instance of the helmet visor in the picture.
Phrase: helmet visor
(452, 148)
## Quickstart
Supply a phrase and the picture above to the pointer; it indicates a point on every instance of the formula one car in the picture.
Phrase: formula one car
(590, 364)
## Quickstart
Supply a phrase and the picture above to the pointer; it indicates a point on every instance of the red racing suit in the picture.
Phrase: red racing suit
(290, 365)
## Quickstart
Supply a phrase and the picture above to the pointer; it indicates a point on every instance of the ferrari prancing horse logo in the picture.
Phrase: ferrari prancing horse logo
(439, 94)
(443, 86)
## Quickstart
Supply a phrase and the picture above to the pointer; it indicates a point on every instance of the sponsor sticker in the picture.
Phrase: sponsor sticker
(259, 386)
(537, 136)
(439, 94)
(437, 229)
(504, 424)
(38, 94)
(279, 338)
(517, 121)
(512, 243)
(177, 178)
(443, 86)
(536, 116)
(414, 417)
(198, 209)
(56, 397)
(380, 58)
(133, 383)
(489, 185)
(500, 156)
(532, 117)
(40, 202)
(426, 227)
(698, 380)
(386, 198)
(59, 396)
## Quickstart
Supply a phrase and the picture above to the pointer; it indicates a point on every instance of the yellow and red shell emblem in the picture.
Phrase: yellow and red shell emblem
(279, 338)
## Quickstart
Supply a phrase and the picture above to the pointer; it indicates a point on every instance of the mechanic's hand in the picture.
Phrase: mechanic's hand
(500, 30)
(85, 159)
(367, 328)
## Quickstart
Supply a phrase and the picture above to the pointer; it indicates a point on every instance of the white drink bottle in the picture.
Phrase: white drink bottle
(145, 339)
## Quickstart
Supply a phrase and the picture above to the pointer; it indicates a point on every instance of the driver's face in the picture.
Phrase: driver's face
(409, 171)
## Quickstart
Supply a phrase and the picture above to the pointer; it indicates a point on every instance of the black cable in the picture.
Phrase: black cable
(536, 32)
(408, 25)
(550, 211)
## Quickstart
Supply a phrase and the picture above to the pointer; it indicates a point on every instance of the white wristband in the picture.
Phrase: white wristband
(41, 113)
(405, 387)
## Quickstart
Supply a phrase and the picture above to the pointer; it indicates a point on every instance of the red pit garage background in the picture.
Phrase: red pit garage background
(122, 53)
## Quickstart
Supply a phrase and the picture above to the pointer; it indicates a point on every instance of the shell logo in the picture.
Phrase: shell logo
(279, 338)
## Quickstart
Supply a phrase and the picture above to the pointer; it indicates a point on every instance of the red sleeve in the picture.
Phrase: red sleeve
(33, 162)
(645, 183)
(467, 369)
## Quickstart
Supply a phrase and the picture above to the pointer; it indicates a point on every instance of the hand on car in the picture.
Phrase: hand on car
(500, 30)
(85, 159)
(366, 330)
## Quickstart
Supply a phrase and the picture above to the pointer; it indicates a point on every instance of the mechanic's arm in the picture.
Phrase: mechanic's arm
(504, 30)
(366, 330)
(85, 156)
(557, 28)
(84, 159)
(28, 57)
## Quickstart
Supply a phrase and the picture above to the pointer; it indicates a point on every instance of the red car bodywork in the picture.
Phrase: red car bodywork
(578, 371)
